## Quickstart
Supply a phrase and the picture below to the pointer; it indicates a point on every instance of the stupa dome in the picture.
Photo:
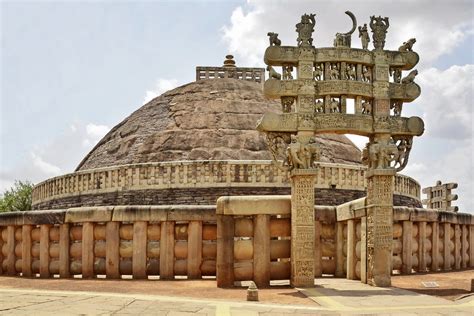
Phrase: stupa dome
(204, 120)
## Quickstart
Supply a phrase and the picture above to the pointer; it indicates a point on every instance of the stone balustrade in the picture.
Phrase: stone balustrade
(112, 241)
(242, 238)
(203, 174)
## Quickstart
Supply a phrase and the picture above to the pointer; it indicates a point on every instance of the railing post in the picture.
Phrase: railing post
(194, 249)
(64, 242)
(87, 250)
(112, 246)
(261, 250)
(406, 247)
(225, 251)
(351, 255)
(139, 250)
(26, 251)
(44, 251)
(167, 251)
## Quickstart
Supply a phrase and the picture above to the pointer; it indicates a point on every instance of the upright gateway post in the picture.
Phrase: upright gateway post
(327, 80)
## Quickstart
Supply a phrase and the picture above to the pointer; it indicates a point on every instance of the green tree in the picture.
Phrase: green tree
(17, 198)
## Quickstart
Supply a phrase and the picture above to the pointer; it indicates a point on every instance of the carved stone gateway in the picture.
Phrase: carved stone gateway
(327, 80)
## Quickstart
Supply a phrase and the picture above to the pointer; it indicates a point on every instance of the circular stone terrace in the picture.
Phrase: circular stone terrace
(202, 182)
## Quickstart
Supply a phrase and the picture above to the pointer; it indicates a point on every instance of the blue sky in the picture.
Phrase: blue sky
(71, 70)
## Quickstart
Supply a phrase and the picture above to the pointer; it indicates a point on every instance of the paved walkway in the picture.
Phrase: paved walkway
(335, 297)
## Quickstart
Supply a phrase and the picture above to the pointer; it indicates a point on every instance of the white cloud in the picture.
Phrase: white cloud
(45, 167)
(94, 133)
(161, 86)
(454, 165)
(58, 156)
(446, 101)
(438, 26)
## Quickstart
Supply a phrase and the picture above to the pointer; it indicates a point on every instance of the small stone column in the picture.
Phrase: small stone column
(379, 226)
(302, 227)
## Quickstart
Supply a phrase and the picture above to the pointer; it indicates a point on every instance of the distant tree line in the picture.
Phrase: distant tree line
(17, 198)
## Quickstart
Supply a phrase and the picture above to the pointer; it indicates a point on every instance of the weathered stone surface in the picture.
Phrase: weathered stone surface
(203, 120)
(204, 196)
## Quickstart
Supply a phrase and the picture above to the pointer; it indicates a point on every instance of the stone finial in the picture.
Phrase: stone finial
(407, 46)
(364, 37)
(344, 39)
(229, 61)
(273, 38)
(440, 197)
(379, 28)
(305, 30)
(252, 292)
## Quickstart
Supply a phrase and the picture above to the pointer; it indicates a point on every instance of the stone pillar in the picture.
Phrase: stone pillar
(302, 227)
(379, 226)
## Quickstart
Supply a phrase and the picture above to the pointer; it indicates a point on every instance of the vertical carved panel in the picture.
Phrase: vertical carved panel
(379, 229)
(302, 229)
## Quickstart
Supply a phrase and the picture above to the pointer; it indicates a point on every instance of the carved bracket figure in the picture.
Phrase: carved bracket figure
(318, 72)
(407, 46)
(287, 72)
(404, 145)
(273, 38)
(287, 103)
(396, 73)
(396, 106)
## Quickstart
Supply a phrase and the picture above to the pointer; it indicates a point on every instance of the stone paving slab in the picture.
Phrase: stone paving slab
(339, 297)
(352, 296)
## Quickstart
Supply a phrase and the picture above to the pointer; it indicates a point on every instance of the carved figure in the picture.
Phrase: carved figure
(319, 106)
(311, 153)
(293, 152)
(364, 36)
(407, 46)
(379, 155)
(273, 74)
(397, 107)
(366, 74)
(273, 38)
(366, 107)
(305, 30)
(379, 28)
(334, 72)
(287, 103)
(287, 72)
(334, 106)
(396, 73)
(410, 78)
(403, 152)
(318, 72)
(344, 39)
(350, 72)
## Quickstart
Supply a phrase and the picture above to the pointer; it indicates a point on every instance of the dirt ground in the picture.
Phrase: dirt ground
(452, 285)
(203, 289)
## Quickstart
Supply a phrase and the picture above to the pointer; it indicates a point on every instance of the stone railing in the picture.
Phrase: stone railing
(204, 174)
(254, 232)
(241, 73)
(242, 238)
(424, 240)
(254, 239)
(140, 241)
